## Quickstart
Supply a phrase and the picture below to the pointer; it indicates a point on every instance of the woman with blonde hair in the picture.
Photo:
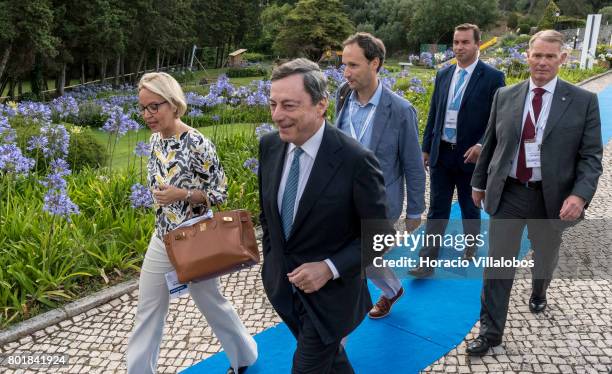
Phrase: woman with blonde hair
(186, 179)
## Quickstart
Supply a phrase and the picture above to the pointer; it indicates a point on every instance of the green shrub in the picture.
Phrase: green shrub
(184, 76)
(254, 57)
(249, 71)
(90, 115)
(225, 114)
(83, 151)
(512, 21)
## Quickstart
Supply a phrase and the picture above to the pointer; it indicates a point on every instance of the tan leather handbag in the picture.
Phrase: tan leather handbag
(213, 247)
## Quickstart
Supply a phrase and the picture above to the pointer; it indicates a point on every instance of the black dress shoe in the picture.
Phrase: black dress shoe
(241, 370)
(421, 272)
(480, 346)
(537, 304)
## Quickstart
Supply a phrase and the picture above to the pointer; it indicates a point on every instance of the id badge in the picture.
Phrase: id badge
(451, 119)
(175, 288)
(532, 154)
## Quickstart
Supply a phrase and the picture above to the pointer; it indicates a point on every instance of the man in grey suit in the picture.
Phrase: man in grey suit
(386, 124)
(539, 167)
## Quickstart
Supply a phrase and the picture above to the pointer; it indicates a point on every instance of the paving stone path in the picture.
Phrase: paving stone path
(574, 334)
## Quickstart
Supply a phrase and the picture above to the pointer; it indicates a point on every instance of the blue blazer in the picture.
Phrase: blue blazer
(395, 143)
(473, 112)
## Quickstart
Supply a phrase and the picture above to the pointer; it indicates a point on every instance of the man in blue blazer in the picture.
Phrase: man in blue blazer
(458, 117)
(386, 124)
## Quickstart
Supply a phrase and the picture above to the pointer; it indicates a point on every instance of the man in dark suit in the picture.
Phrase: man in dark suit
(387, 124)
(539, 167)
(458, 116)
(316, 185)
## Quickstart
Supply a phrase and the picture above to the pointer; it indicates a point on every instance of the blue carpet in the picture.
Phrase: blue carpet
(432, 318)
(605, 109)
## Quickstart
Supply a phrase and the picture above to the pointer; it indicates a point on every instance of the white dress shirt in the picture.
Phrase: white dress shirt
(310, 148)
(536, 173)
(469, 70)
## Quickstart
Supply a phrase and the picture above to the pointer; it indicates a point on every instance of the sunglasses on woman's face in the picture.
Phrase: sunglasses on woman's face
(152, 108)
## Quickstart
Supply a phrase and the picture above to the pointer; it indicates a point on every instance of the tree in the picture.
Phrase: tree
(272, 20)
(433, 21)
(387, 19)
(550, 16)
(606, 14)
(29, 41)
(313, 26)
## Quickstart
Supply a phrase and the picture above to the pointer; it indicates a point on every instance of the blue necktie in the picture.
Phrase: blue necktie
(290, 193)
(456, 104)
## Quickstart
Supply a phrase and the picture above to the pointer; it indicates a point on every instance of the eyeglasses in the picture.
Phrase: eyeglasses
(152, 108)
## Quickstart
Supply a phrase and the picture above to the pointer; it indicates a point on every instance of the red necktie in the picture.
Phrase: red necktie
(523, 173)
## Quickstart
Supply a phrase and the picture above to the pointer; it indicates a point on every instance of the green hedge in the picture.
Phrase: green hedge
(250, 71)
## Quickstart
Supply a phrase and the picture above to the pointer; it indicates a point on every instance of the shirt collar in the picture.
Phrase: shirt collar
(374, 100)
(549, 87)
(469, 69)
(311, 146)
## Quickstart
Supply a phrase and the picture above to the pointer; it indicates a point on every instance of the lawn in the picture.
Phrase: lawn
(123, 153)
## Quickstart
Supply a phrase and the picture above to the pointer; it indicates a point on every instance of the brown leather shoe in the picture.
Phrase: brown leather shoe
(383, 306)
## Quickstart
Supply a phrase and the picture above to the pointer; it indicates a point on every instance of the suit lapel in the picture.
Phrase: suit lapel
(380, 119)
(518, 104)
(324, 168)
(276, 173)
(560, 102)
(445, 83)
(472, 83)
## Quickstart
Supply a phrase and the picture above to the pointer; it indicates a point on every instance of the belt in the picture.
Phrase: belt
(448, 145)
(531, 185)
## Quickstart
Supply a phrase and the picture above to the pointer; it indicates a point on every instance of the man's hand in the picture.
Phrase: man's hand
(412, 224)
(426, 161)
(311, 276)
(572, 208)
(167, 194)
(472, 154)
(478, 198)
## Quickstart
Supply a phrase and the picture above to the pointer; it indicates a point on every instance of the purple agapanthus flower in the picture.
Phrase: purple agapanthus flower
(13, 161)
(119, 123)
(142, 149)
(194, 112)
(57, 202)
(7, 134)
(263, 129)
(251, 164)
(58, 141)
(141, 196)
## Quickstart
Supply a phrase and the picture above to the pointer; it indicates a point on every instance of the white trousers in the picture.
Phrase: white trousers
(385, 279)
(153, 300)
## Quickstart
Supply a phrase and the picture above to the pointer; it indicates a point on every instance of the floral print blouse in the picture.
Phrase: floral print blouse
(186, 161)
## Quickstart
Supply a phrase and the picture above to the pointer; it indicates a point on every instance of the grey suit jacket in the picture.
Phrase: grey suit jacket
(395, 142)
(571, 146)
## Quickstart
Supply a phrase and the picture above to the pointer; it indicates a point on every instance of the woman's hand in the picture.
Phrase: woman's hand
(167, 194)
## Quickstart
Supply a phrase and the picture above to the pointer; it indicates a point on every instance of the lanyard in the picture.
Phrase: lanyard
(366, 123)
(459, 91)
(540, 123)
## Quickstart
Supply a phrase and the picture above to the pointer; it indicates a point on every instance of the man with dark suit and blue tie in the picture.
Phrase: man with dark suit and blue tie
(539, 168)
(386, 124)
(316, 186)
(452, 139)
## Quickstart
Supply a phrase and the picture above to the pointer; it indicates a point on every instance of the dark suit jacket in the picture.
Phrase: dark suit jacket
(473, 112)
(395, 142)
(345, 186)
(571, 146)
